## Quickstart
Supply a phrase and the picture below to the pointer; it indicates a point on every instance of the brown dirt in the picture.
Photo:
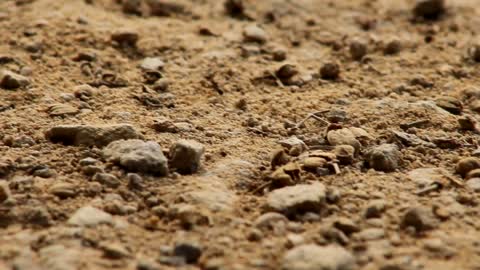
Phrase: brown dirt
(225, 89)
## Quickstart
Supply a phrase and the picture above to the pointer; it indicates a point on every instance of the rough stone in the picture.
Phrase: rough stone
(63, 190)
(375, 209)
(185, 156)
(346, 225)
(91, 135)
(358, 49)
(343, 136)
(474, 184)
(421, 218)
(89, 216)
(137, 156)
(255, 34)
(10, 80)
(385, 157)
(297, 199)
(189, 251)
(465, 165)
(314, 257)
(152, 63)
(107, 179)
(429, 9)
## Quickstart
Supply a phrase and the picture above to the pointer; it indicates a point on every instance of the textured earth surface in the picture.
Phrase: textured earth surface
(206, 134)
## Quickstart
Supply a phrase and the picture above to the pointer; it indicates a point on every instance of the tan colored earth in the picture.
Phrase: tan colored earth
(331, 134)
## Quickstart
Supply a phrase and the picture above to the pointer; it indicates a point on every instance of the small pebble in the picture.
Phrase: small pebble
(474, 184)
(393, 46)
(11, 81)
(286, 71)
(465, 165)
(429, 9)
(152, 63)
(189, 251)
(106, 179)
(125, 37)
(185, 156)
(330, 71)
(253, 33)
(421, 218)
(358, 49)
(385, 157)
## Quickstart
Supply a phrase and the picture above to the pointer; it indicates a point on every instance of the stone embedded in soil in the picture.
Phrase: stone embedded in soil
(137, 156)
(125, 37)
(370, 234)
(189, 251)
(421, 218)
(107, 179)
(429, 9)
(89, 216)
(465, 165)
(10, 80)
(346, 225)
(132, 7)
(474, 184)
(343, 136)
(254, 33)
(269, 220)
(450, 104)
(385, 157)
(91, 135)
(345, 154)
(330, 71)
(152, 63)
(5, 192)
(185, 156)
(297, 199)
(358, 49)
(63, 190)
(58, 256)
(314, 257)
(166, 8)
(114, 251)
(375, 209)
(393, 46)
(286, 71)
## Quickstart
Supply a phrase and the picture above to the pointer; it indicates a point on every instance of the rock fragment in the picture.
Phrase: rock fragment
(358, 49)
(474, 184)
(297, 199)
(429, 9)
(90, 135)
(185, 156)
(63, 190)
(10, 80)
(152, 63)
(421, 218)
(125, 37)
(89, 216)
(253, 33)
(189, 251)
(385, 157)
(314, 257)
(330, 71)
(392, 47)
(137, 156)
(343, 136)
(465, 165)
(106, 179)
(346, 225)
